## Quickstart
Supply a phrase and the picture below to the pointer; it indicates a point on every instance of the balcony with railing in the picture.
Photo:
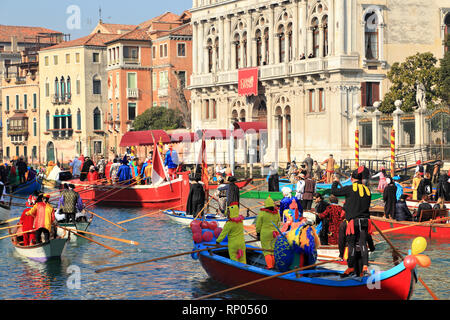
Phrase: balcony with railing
(132, 93)
(18, 131)
(66, 99)
(294, 68)
(61, 134)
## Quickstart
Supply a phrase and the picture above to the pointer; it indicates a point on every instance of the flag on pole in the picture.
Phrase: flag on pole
(204, 164)
(158, 171)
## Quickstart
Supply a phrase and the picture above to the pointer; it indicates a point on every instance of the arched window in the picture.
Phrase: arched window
(96, 85)
(371, 36)
(325, 35)
(237, 51)
(56, 87)
(315, 44)
(259, 53)
(34, 127)
(97, 119)
(69, 119)
(78, 119)
(63, 123)
(63, 88)
(447, 31)
(47, 121)
(69, 88)
(282, 45)
(56, 120)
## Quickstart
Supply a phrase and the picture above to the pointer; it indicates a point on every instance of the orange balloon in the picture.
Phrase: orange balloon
(423, 260)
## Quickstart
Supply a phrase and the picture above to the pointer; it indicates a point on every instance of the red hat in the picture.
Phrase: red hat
(419, 162)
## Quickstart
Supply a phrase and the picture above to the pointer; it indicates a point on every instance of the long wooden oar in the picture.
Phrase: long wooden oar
(148, 214)
(12, 220)
(204, 207)
(253, 188)
(135, 243)
(10, 227)
(114, 224)
(401, 256)
(100, 244)
(16, 234)
(161, 258)
(264, 279)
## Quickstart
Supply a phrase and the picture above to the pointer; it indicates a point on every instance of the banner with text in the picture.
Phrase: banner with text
(248, 82)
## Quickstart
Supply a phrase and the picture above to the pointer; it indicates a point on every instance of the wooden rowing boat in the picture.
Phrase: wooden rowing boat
(40, 252)
(319, 186)
(164, 195)
(28, 187)
(437, 230)
(180, 217)
(414, 204)
(396, 283)
(5, 213)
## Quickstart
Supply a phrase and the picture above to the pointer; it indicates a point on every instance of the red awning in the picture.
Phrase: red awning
(253, 127)
(183, 137)
(144, 138)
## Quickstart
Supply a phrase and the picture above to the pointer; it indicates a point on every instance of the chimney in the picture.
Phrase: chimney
(13, 43)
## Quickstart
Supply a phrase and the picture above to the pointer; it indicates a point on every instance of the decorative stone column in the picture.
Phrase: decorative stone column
(376, 114)
(194, 47)
(396, 122)
(272, 35)
(419, 116)
(340, 14)
(221, 44)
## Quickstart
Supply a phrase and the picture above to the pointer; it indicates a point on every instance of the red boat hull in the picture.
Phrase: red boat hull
(164, 196)
(428, 230)
(241, 184)
(399, 286)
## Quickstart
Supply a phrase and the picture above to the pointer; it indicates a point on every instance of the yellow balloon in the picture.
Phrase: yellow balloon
(419, 245)
(423, 260)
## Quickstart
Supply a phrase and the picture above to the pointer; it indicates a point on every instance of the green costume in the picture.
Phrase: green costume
(234, 229)
(265, 225)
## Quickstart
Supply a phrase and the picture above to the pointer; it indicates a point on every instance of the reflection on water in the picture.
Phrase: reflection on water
(175, 279)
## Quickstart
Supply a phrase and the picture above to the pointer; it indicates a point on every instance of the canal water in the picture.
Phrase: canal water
(73, 277)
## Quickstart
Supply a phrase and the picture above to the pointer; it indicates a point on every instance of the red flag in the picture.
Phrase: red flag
(158, 170)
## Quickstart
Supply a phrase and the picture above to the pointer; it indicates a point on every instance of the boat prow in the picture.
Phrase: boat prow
(181, 217)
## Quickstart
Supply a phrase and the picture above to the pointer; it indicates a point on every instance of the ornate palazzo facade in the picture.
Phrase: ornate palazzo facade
(318, 62)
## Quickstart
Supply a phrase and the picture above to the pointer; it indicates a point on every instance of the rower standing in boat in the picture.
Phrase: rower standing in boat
(232, 190)
(44, 217)
(356, 207)
(234, 229)
(70, 203)
(196, 198)
(124, 172)
(390, 199)
(27, 222)
(266, 229)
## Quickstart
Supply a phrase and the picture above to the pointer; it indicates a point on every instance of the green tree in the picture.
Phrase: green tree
(403, 76)
(158, 118)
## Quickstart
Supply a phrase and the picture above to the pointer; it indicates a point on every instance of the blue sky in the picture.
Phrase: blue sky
(53, 14)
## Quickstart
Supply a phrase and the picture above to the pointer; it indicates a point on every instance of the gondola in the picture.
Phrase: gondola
(180, 217)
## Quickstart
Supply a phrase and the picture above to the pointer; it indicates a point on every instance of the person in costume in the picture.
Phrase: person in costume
(27, 222)
(69, 203)
(390, 199)
(304, 241)
(334, 214)
(196, 198)
(124, 171)
(233, 194)
(382, 182)
(356, 207)
(293, 217)
(330, 168)
(171, 162)
(286, 202)
(85, 168)
(266, 222)
(76, 167)
(415, 184)
(44, 217)
(114, 171)
(234, 229)
(93, 174)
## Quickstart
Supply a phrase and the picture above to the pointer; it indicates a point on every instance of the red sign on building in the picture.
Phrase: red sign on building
(248, 82)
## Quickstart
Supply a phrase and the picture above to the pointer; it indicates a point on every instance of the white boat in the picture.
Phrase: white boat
(78, 227)
(181, 217)
(5, 213)
(40, 252)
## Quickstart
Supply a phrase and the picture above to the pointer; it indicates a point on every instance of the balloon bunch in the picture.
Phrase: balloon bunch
(418, 246)
(204, 231)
